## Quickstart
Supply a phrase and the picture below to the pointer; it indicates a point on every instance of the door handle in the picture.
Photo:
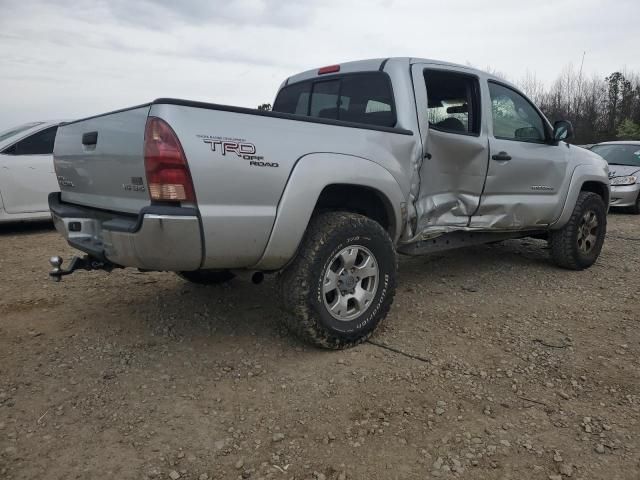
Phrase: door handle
(89, 138)
(501, 157)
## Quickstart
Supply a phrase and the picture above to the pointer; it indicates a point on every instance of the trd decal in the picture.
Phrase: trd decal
(238, 146)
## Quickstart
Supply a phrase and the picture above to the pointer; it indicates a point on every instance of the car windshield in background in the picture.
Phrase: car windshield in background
(619, 154)
(16, 130)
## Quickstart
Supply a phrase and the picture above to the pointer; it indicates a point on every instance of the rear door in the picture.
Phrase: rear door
(26, 173)
(526, 171)
(456, 153)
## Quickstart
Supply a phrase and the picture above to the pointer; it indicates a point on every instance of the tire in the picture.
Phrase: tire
(636, 208)
(576, 246)
(207, 277)
(328, 315)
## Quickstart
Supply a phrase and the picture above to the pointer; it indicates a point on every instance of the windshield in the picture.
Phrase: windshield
(16, 130)
(619, 154)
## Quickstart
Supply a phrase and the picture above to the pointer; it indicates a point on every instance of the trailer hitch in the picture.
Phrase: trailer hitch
(77, 263)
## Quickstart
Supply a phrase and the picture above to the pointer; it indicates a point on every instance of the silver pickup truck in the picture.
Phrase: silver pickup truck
(356, 162)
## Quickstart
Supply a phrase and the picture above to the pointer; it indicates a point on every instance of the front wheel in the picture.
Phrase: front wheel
(576, 246)
(342, 282)
(635, 209)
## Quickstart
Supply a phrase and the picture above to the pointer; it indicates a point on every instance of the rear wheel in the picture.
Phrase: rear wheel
(207, 277)
(577, 245)
(341, 284)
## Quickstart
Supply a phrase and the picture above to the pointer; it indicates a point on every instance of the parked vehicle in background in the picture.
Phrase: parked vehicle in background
(356, 162)
(624, 172)
(26, 171)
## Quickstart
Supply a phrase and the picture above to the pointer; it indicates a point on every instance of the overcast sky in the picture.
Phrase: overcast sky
(68, 59)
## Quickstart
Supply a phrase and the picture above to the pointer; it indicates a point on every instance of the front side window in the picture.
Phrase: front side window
(40, 143)
(514, 118)
(453, 102)
(358, 97)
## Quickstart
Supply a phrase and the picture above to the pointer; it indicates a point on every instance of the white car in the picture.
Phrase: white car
(26, 171)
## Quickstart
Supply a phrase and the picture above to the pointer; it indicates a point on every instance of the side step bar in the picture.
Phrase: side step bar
(449, 241)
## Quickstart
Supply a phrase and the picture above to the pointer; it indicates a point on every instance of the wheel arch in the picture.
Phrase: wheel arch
(355, 198)
(326, 181)
(588, 178)
(598, 188)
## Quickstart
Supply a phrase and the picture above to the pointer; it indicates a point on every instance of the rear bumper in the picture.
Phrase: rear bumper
(624, 195)
(158, 238)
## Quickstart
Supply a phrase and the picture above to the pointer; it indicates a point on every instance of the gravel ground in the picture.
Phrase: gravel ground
(493, 364)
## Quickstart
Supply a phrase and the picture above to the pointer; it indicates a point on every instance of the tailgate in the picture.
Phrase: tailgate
(100, 161)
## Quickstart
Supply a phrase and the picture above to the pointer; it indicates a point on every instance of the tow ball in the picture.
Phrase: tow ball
(77, 263)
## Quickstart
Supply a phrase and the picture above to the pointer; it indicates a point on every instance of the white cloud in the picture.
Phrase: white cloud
(70, 59)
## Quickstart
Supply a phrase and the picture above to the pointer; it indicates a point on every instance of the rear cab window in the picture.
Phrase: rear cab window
(365, 98)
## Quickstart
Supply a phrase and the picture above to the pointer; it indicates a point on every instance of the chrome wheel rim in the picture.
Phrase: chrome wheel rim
(588, 231)
(350, 282)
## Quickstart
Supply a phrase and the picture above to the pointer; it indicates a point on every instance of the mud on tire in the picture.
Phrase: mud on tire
(303, 283)
(576, 246)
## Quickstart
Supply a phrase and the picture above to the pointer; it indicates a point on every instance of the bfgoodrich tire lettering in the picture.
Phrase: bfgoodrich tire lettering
(301, 283)
(568, 248)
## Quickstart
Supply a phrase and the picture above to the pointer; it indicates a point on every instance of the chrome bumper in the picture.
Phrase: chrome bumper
(168, 238)
(624, 195)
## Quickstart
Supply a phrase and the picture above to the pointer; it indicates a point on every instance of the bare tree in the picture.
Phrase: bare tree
(597, 107)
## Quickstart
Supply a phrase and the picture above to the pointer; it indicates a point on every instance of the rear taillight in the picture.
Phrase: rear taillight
(165, 164)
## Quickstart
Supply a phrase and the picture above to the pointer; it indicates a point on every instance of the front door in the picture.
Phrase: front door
(26, 173)
(526, 170)
(455, 146)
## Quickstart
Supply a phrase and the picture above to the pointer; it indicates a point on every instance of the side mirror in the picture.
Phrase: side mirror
(562, 130)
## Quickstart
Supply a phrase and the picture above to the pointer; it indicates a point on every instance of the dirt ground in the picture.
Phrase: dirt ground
(510, 369)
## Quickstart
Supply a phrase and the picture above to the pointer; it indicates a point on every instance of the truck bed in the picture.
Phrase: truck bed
(240, 160)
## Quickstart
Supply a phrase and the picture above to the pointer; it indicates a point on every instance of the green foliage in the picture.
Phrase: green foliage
(629, 130)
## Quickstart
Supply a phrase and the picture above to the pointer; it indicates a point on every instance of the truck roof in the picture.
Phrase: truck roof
(383, 63)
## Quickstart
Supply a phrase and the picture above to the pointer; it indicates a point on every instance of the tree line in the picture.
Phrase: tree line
(600, 109)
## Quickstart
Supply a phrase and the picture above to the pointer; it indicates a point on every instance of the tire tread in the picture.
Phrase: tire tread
(294, 281)
(562, 243)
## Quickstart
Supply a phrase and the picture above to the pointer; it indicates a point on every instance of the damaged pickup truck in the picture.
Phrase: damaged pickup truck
(357, 162)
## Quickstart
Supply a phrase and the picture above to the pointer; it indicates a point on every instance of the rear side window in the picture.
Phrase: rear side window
(40, 143)
(358, 97)
(454, 103)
